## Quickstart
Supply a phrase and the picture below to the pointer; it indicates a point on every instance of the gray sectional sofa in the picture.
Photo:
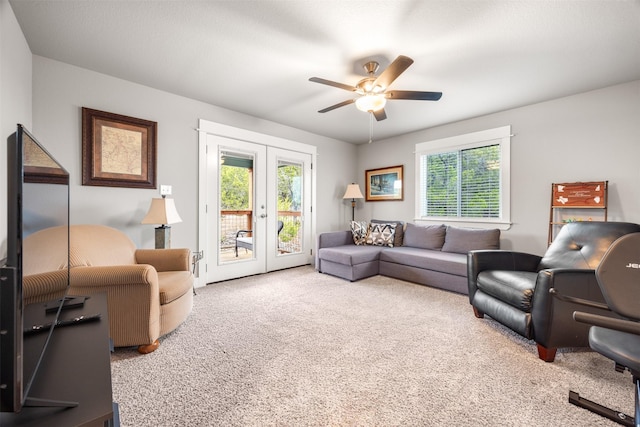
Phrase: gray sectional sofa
(433, 255)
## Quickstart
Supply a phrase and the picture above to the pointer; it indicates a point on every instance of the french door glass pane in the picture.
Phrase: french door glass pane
(290, 199)
(236, 206)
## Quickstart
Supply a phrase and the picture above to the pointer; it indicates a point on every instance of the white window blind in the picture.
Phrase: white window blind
(464, 178)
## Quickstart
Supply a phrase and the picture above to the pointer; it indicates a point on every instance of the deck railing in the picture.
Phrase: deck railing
(289, 239)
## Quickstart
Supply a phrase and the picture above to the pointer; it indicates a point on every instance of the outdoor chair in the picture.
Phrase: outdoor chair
(244, 241)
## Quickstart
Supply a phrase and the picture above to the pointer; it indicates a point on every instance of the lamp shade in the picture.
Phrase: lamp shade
(162, 211)
(353, 192)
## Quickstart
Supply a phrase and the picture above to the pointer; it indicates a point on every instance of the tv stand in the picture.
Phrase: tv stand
(75, 370)
(34, 402)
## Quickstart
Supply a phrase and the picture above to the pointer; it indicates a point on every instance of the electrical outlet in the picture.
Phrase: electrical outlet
(165, 190)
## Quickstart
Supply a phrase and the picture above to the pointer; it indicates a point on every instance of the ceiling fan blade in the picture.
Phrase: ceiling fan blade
(333, 107)
(392, 72)
(411, 94)
(332, 83)
(380, 114)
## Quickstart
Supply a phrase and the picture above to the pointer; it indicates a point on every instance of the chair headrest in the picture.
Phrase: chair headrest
(582, 244)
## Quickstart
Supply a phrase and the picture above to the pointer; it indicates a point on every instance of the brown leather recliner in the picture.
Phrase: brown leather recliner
(513, 287)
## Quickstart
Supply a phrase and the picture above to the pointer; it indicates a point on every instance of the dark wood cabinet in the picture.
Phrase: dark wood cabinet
(75, 368)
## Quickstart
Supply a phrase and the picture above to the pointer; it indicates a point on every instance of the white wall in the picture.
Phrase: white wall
(15, 97)
(591, 136)
(61, 90)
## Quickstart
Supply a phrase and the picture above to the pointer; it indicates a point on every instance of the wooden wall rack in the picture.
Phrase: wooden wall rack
(576, 201)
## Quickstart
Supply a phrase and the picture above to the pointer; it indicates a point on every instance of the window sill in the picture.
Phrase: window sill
(465, 222)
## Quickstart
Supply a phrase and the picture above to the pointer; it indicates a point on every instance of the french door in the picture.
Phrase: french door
(257, 209)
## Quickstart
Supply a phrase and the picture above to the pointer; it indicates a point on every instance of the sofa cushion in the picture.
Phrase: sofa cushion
(399, 234)
(359, 230)
(350, 254)
(381, 235)
(463, 240)
(444, 262)
(511, 287)
(428, 237)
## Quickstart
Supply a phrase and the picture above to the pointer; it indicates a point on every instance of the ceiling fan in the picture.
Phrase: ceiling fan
(374, 91)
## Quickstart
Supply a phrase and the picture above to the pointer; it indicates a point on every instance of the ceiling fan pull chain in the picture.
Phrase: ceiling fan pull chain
(370, 126)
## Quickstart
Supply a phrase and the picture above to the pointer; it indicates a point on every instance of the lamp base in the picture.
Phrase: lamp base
(163, 237)
(353, 209)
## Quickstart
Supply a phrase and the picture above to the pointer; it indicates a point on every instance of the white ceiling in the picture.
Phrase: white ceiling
(256, 57)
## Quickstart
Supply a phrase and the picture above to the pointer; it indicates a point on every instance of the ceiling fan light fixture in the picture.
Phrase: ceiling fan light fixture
(371, 102)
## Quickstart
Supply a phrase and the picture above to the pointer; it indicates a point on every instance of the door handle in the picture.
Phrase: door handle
(263, 216)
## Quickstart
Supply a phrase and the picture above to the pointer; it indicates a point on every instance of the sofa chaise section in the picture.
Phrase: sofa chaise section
(339, 256)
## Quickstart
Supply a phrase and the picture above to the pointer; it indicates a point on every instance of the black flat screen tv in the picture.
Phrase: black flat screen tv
(37, 198)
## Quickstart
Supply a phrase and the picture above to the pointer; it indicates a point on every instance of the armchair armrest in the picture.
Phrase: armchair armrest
(334, 238)
(239, 232)
(133, 299)
(178, 259)
(113, 275)
(575, 283)
(552, 317)
(489, 259)
(331, 239)
(595, 319)
(46, 286)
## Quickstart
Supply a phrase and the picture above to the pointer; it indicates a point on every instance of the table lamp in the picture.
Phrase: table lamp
(162, 211)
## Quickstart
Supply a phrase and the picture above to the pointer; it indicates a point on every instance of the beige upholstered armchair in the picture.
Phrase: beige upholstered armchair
(149, 291)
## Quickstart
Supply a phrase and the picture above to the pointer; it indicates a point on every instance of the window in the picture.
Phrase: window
(464, 178)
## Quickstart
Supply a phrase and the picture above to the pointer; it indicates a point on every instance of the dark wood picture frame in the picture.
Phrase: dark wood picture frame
(117, 150)
(384, 184)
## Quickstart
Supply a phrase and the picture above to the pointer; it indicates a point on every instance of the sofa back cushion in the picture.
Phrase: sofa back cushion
(398, 237)
(45, 250)
(429, 237)
(462, 240)
(89, 245)
(99, 245)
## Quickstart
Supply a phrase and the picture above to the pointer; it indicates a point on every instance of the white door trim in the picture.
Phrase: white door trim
(206, 127)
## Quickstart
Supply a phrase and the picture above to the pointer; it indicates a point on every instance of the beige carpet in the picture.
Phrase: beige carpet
(300, 348)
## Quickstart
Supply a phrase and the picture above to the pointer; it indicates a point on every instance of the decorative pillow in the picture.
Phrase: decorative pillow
(429, 237)
(381, 234)
(399, 236)
(359, 229)
(463, 240)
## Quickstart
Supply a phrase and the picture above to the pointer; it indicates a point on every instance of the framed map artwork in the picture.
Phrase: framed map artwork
(118, 151)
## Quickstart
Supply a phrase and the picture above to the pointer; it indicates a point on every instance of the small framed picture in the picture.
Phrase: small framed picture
(384, 184)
